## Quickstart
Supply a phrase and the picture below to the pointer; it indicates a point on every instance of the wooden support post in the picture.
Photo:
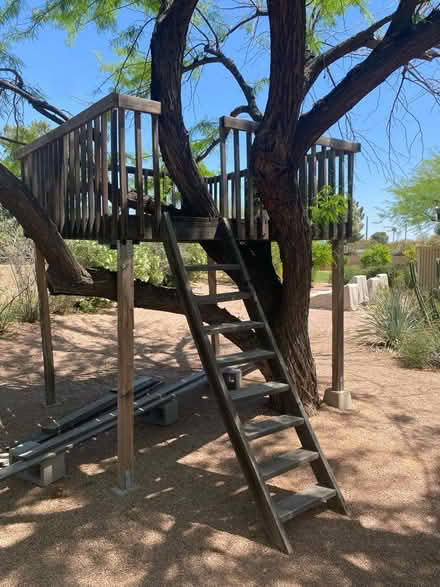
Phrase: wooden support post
(126, 366)
(337, 396)
(46, 333)
(212, 286)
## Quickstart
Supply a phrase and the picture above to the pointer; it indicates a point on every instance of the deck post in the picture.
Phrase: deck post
(212, 287)
(337, 396)
(126, 366)
(46, 332)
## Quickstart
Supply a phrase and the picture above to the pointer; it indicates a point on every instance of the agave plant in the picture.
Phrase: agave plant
(394, 316)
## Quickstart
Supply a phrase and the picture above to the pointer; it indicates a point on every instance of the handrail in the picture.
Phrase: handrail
(113, 100)
(231, 123)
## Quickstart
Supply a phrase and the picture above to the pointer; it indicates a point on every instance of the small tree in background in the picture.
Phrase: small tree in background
(380, 237)
(376, 255)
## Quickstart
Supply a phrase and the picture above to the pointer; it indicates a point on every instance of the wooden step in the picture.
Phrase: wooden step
(258, 389)
(297, 503)
(246, 357)
(287, 461)
(272, 425)
(230, 296)
(233, 327)
(213, 267)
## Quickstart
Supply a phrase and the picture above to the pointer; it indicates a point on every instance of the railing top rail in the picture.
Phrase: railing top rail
(113, 100)
(231, 123)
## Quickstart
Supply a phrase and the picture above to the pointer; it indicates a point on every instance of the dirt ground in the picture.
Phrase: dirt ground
(191, 520)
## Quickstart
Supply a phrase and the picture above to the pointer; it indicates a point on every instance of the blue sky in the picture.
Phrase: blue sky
(70, 75)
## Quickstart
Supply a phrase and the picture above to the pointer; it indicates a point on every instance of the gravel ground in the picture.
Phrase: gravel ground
(191, 520)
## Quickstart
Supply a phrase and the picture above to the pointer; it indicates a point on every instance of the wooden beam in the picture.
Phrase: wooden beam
(126, 365)
(46, 332)
(338, 316)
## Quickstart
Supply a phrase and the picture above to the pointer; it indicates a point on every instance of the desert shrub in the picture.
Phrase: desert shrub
(395, 315)
(92, 305)
(420, 348)
(378, 254)
(410, 252)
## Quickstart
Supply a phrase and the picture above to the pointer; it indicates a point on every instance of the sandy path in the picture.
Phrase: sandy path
(191, 520)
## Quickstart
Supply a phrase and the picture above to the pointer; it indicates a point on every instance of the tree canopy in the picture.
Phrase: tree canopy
(416, 200)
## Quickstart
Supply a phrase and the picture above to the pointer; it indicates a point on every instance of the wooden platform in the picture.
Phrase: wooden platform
(83, 175)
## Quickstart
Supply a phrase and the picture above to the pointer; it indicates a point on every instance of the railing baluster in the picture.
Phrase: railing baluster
(156, 172)
(224, 174)
(77, 181)
(84, 202)
(63, 145)
(334, 227)
(97, 177)
(114, 174)
(236, 205)
(139, 177)
(349, 230)
(104, 173)
(71, 184)
(123, 223)
(90, 179)
(250, 207)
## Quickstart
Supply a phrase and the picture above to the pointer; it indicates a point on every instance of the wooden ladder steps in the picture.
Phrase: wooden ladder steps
(297, 503)
(258, 390)
(230, 296)
(233, 327)
(213, 267)
(246, 357)
(260, 428)
(285, 462)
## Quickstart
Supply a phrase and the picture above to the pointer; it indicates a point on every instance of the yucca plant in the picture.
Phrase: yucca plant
(394, 316)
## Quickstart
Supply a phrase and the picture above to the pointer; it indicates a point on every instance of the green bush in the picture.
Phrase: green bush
(276, 260)
(350, 272)
(410, 252)
(421, 349)
(395, 315)
(376, 255)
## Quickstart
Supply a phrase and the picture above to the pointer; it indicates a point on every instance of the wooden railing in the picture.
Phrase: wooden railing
(75, 170)
(329, 162)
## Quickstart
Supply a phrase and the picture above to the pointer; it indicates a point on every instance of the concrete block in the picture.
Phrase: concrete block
(351, 297)
(384, 280)
(338, 399)
(164, 415)
(51, 468)
(361, 281)
(232, 377)
(321, 301)
(374, 283)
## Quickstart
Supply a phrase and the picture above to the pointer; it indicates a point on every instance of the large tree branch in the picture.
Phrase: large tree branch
(393, 52)
(167, 53)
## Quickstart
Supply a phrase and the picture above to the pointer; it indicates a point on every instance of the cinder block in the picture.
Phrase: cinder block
(374, 283)
(51, 468)
(384, 280)
(232, 377)
(351, 297)
(361, 281)
(164, 415)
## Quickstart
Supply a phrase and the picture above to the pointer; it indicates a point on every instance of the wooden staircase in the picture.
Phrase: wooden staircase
(274, 513)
